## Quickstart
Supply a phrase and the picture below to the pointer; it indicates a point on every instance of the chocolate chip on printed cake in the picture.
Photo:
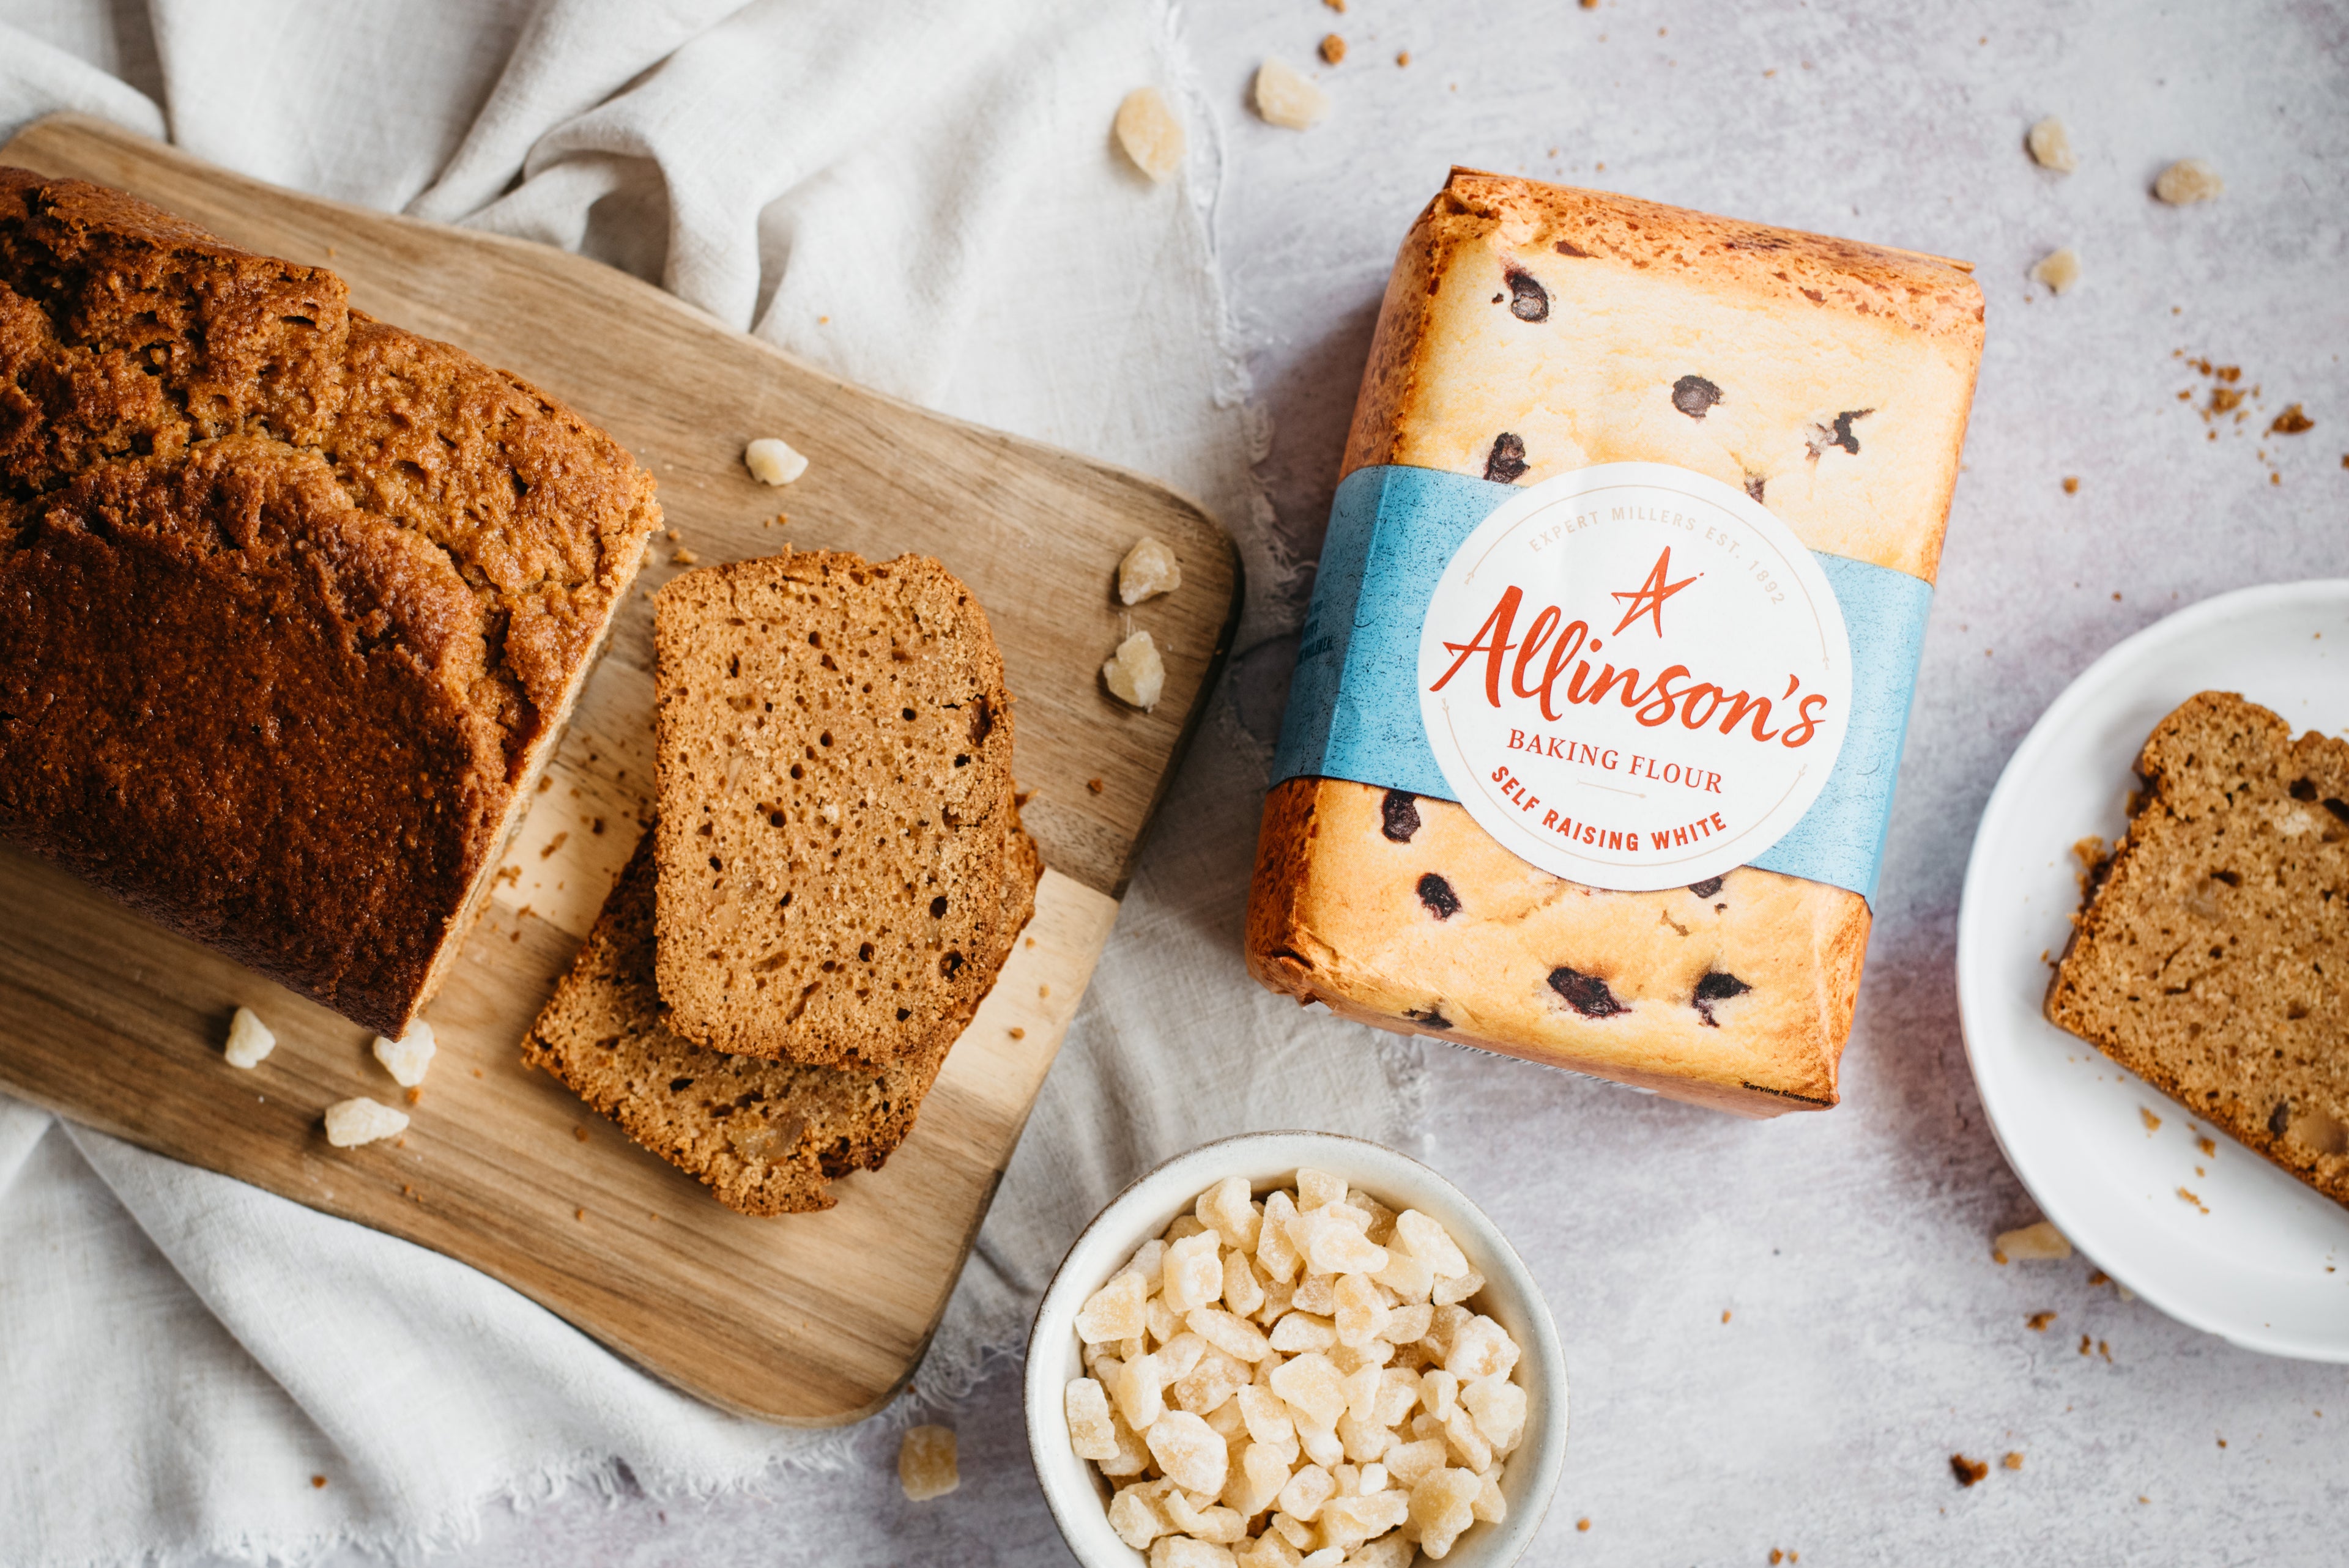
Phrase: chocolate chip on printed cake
(1839, 434)
(1428, 1017)
(1507, 464)
(1711, 885)
(1400, 814)
(1718, 985)
(1586, 994)
(1437, 895)
(1753, 483)
(1528, 301)
(1694, 395)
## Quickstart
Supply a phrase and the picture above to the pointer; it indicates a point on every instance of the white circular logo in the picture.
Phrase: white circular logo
(1634, 677)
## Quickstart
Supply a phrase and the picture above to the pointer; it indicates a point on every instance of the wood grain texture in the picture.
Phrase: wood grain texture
(806, 1319)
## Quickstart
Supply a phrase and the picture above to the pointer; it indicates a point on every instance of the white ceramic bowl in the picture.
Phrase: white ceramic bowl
(1076, 1492)
(2258, 1257)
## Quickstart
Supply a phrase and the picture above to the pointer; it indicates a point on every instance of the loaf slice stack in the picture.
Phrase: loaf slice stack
(2211, 958)
(767, 1137)
(293, 605)
(837, 876)
(836, 812)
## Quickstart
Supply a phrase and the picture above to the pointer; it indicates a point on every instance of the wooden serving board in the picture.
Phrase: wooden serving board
(805, 1319)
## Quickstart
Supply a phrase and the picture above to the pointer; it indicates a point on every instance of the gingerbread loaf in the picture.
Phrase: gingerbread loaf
(765, 1137)
(295, 604)
(836, 810)
(2211, 955)
(1531, 331)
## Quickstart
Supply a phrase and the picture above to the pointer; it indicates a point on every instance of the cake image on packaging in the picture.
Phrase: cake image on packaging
(1590, 746)
(295, 604)
(2211, 956)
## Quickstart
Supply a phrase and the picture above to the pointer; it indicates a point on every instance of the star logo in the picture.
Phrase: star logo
(1648, 599)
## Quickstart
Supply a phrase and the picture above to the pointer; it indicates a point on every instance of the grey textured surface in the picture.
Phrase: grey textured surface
(1868, 1334)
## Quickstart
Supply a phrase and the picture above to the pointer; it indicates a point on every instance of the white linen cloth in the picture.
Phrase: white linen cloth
(922, 196)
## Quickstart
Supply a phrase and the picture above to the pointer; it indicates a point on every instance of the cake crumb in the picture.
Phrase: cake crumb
(580, 1133)
(1724, 1315)
(318, 1481)
(2070, 484)
(1403, 58)
(1093, 785)
(1583, 1524)
(2190, 1198)
(683, 557)
(926, 1464)
(2038, 1321)
(2207, 1148)
(1968, 1471)
(1018, 1033)
(2291, 422)
(579, 1215)
(1334, 49)
(2012, 1461)
(2152, 1122)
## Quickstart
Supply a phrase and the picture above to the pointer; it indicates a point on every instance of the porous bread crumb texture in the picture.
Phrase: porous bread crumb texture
(1399, 910)
(836, 814)
(767, 1137)
(1287, 97)
(1149, 133)
(297, 601)
(1302, 1378)
(2212, 958)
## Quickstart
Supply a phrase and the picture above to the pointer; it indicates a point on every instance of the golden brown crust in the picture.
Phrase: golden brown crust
(294, 605)
(2207, 956)
(1737, 994)
(1835, 376)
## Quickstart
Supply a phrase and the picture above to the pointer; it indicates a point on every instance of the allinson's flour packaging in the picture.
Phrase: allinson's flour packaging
(1591, 744)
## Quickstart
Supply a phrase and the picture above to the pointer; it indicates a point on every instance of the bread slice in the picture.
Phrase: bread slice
(767, 1137)
(294, 605)
(2211, 957)
(836, 812)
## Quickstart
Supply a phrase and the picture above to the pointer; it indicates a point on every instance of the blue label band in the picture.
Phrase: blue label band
(1353, 704)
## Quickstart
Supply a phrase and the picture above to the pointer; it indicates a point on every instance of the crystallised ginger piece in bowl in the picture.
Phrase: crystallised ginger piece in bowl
(1295, 1385)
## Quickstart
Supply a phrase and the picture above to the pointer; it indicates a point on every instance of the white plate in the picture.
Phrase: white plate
(2254, 1267)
